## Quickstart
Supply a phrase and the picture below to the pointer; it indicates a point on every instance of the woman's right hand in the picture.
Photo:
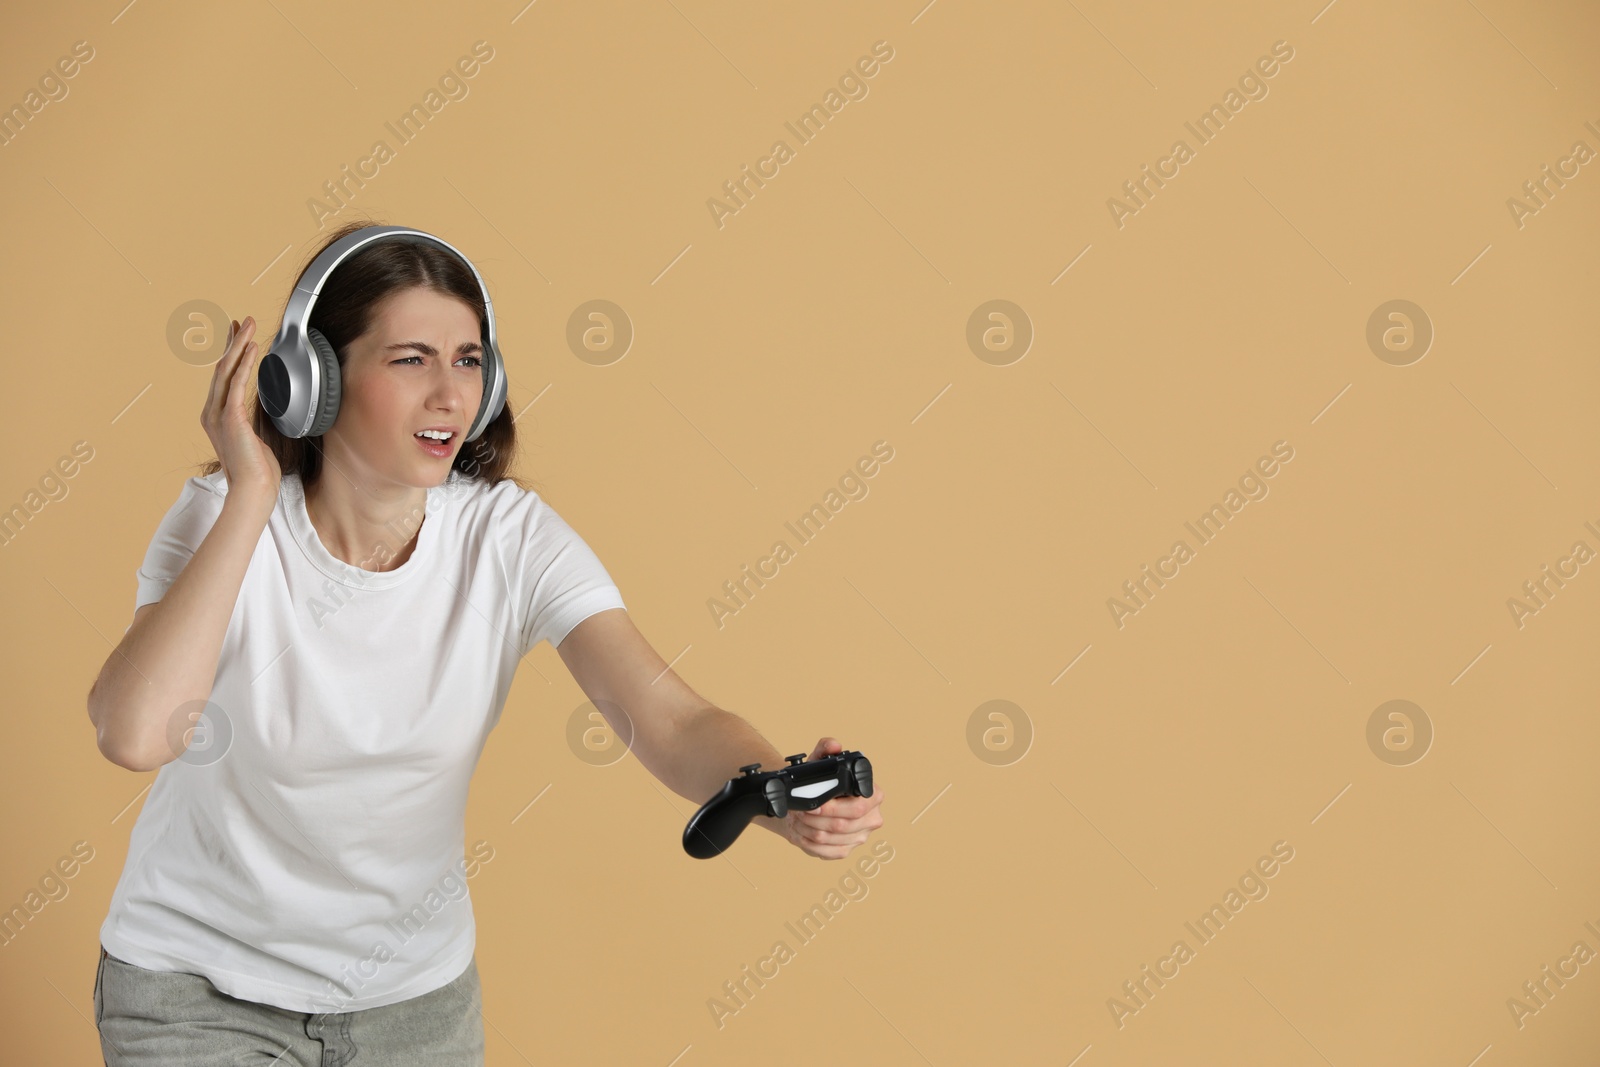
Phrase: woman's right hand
(247, 462)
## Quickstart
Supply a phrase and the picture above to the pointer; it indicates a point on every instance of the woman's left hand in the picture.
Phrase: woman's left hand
(831, 831)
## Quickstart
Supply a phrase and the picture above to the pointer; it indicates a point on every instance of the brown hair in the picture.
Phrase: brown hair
(343, 312)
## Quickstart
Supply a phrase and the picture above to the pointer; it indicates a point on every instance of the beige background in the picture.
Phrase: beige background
(831, 312)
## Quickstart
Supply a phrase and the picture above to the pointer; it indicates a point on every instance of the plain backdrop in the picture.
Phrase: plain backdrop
(1138, 770)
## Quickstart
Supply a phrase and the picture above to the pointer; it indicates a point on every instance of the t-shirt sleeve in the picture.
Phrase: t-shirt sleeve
(178, 537)
(564, 581)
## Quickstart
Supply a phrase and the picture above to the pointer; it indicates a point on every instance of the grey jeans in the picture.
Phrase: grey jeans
(150, 1017)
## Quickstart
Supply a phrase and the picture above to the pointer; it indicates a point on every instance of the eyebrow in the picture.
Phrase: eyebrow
(428, 350)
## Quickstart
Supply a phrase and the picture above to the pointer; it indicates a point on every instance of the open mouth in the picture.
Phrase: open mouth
(435, 442)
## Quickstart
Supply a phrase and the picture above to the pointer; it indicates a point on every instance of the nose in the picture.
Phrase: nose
(447, 392)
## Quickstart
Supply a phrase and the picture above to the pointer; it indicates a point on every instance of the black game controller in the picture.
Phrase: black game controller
(801, 786)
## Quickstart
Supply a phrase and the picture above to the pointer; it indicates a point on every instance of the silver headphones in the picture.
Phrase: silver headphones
(298, 381)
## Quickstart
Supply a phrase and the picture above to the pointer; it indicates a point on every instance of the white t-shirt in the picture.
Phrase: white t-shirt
(317, 863)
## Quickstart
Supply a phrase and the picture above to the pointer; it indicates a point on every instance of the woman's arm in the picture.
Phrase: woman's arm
(168, 657)
(689, 745)
(692, 747)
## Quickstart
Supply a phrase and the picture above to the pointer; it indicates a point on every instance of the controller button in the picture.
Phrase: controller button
(750, 769)
(796, 759)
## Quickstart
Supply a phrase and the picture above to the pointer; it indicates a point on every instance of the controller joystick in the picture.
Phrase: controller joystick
(800, 786)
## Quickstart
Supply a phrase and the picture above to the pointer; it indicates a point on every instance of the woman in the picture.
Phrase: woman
(348, 611)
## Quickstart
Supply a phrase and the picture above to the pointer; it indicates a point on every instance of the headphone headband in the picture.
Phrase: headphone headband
(299, 380)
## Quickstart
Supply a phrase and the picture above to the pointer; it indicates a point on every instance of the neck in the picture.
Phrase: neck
(374, 529)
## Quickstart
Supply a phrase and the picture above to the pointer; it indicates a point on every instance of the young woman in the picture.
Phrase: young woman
(348, 611)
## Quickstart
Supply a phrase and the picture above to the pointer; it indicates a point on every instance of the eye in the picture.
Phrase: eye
(476, 361)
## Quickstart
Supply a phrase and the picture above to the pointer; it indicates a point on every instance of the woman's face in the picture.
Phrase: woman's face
(419, 366)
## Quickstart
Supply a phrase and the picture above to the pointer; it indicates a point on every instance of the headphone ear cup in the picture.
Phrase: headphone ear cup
(494, 391)
(332, 386)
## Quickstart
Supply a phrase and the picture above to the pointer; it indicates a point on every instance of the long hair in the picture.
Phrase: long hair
(344, 311)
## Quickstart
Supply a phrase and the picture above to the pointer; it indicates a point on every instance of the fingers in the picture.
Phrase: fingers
(841, 825)
(843, 809)
(855, 834)
(238, 388)
(217, 372)
(822, 839)
(242, 352)
(839, 819)
(826, 747)
(222, 378)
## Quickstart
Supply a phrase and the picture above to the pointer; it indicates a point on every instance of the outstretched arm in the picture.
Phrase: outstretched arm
(691, 746)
